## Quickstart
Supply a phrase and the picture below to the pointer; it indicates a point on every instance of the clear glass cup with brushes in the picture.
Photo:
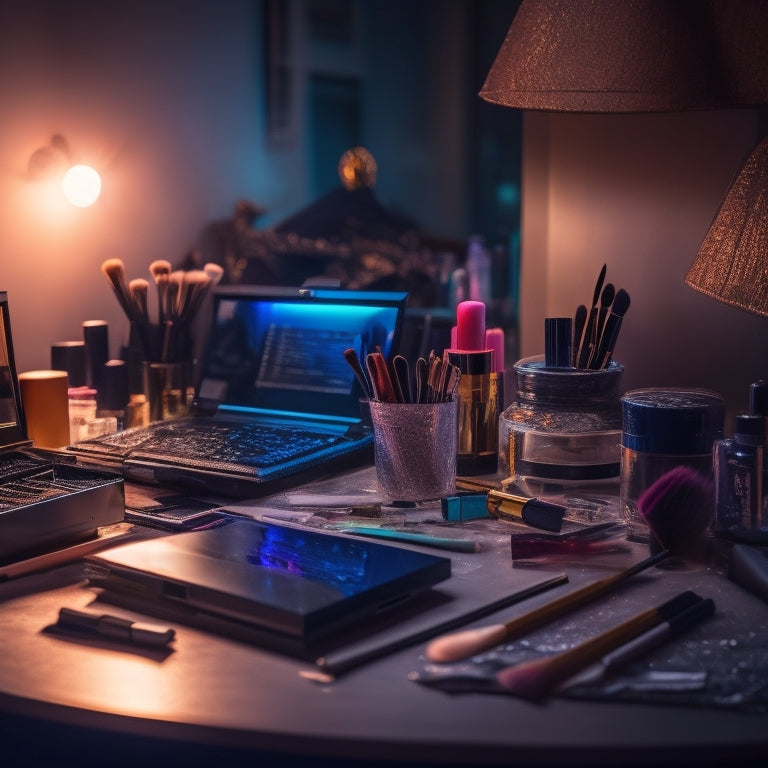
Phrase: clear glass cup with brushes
(162, 351)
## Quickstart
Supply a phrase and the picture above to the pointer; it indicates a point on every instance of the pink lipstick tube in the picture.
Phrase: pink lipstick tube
(478, 393)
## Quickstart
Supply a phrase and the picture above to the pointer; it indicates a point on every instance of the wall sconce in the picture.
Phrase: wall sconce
(80, 184)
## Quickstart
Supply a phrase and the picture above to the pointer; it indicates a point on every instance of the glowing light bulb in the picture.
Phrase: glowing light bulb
(81, 185)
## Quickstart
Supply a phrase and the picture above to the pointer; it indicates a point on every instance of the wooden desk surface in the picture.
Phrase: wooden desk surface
(213, 690)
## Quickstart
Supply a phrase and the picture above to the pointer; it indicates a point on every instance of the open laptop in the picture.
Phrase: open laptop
(291, 589)
(276, 403)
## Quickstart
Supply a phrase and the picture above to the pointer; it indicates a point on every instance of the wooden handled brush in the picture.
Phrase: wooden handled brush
(540, 677)
(462, 645)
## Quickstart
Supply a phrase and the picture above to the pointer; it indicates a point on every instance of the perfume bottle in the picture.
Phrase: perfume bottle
(741, 478)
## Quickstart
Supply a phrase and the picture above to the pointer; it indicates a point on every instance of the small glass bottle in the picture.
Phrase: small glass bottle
(741, 484)
(82, 411)
(663, 429)
(560, 437)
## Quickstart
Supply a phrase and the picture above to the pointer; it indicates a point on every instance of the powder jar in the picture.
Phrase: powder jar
(563, 430)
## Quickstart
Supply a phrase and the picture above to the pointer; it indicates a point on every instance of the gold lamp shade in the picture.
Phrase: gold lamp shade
(732, 262)
(632, 56)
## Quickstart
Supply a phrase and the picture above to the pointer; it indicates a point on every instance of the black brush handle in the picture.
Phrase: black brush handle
(402, 378)
(608, 342)
(579, 320)
(584, 350)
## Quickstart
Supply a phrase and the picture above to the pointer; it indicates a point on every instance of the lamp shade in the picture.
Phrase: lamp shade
(732, 262)
(632, 56)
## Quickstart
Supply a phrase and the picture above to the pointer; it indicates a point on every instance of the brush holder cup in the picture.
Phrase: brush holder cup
(169, 389)
(561, 436)
(415, 450)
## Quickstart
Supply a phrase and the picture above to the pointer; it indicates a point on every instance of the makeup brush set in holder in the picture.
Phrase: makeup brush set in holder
(413, 411)
(562, 431)
(161, 352)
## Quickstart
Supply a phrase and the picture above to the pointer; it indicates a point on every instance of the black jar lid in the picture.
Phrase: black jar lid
(674, 420)
(536, 381)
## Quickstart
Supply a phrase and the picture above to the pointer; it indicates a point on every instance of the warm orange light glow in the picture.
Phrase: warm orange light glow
(81, 185)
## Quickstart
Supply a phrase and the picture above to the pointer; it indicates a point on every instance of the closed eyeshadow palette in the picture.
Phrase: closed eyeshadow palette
(284, 587)
(45, 501)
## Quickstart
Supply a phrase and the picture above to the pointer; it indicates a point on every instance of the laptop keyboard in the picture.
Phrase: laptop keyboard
(229, 446)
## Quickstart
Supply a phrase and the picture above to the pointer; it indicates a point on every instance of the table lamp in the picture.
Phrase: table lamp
(731, 262)
(639, 56)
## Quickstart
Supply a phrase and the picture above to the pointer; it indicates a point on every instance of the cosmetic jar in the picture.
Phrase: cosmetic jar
(561, 435)
(663, 428)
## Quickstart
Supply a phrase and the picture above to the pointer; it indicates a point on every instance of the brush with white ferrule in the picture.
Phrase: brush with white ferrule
(114, 269)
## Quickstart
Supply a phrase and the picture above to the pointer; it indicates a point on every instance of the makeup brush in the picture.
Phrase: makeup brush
(114, 269)
(381, 383)
(704, 608)
(611, 329)
(174, 294)
(160, 270)
(350, 355)
(196, 284)
(139, 290)
(583, 356)
(606, 299)
(678, 510)
(215, 272)
(420, 375)
(579, 319)
(402, 378)
(536, 679)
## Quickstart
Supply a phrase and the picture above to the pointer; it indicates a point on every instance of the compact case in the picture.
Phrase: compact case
(46, 500)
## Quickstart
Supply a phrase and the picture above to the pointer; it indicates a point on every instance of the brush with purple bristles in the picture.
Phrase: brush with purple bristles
(678, 509)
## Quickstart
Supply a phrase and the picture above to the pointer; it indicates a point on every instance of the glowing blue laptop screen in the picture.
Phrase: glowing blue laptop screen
(286, 353)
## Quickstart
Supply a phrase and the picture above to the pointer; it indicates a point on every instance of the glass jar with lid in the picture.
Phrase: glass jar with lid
(560, 437)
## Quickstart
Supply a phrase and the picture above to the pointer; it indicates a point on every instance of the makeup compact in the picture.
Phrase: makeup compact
(46, 500)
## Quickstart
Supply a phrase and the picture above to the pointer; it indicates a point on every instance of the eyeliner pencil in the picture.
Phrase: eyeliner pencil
(332, 665)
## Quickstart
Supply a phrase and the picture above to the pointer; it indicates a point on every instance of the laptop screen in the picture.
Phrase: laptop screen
(278, 349)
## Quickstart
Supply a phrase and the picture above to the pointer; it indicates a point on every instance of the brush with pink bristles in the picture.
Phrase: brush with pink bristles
(677, 507)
